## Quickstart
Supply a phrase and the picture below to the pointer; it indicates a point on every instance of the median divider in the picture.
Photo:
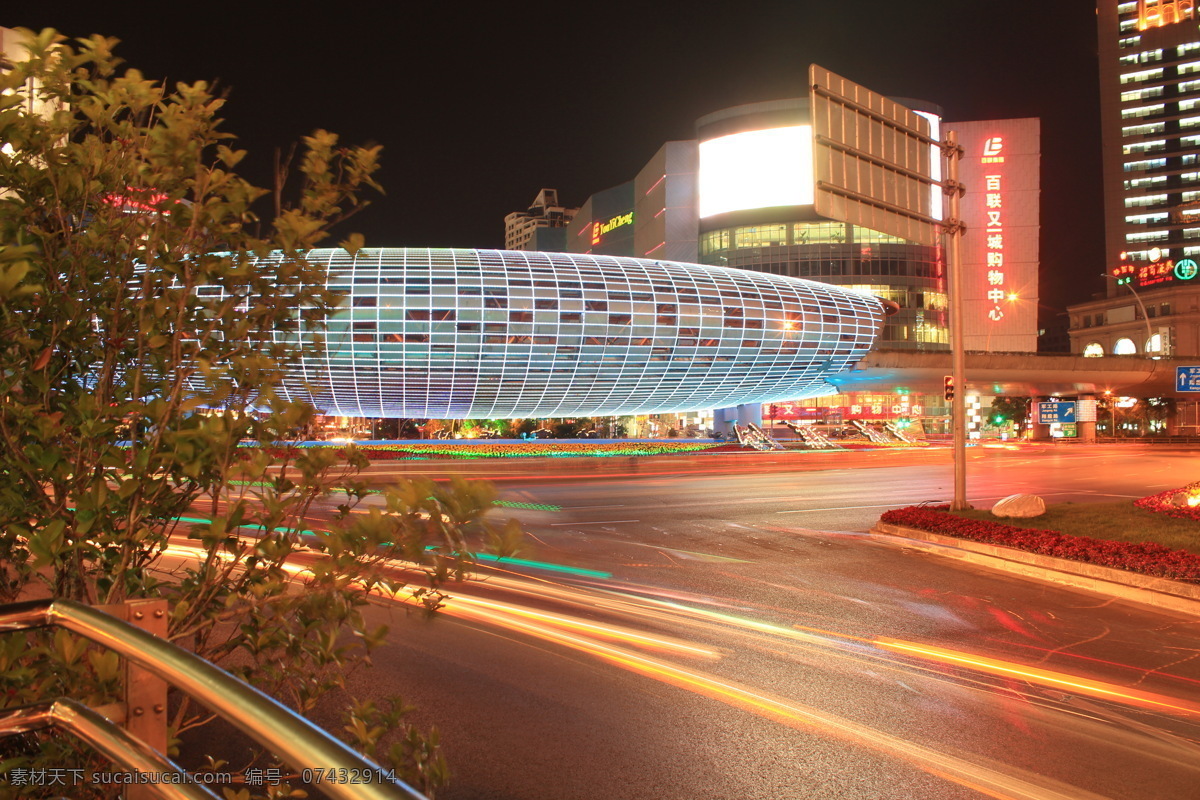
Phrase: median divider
(1161, 593)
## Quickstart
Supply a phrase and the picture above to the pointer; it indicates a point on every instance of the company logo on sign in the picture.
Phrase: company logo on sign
(599, 229)
(991, 150)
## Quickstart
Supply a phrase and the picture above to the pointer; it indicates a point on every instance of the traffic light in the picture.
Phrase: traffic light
(948, 388)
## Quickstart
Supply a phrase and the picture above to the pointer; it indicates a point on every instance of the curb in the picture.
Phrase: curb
(1146, 589)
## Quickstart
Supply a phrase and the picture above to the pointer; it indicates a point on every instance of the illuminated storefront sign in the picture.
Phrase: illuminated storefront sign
(993, 201)
(1161, 269)
(1159, 13)
(837, 414)
(600, 229)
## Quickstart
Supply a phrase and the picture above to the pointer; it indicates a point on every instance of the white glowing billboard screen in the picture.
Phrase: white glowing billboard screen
(756, 169)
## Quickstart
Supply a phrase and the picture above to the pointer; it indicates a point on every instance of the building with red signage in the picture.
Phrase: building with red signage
(1150, 118)
(741, 194)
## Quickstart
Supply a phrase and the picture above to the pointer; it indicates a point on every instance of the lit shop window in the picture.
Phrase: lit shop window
(1141, 183)
(1093, 350)
(868, 236)
(819, 233)
(1142, 94)
(760, 236)
(1144, 129)
(1124, 347)
(1149, 163)
(1141, 75)
(1142, 111)
(1145, 147)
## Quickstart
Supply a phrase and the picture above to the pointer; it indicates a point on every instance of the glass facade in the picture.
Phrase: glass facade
(442, 333)
(854, 258)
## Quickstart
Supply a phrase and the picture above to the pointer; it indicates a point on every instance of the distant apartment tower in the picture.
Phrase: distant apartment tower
(1150, 128)
(538, 227)
(1150, 125)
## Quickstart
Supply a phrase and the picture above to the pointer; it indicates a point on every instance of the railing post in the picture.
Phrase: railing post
(145, 692)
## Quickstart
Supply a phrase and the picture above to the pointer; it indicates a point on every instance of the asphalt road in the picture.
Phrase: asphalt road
(730, 631)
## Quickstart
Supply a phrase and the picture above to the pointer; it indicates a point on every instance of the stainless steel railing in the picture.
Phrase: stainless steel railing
(295, 740)
(109, 740)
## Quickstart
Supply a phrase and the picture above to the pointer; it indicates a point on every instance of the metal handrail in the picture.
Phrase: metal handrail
(291, 737)
(108, 739)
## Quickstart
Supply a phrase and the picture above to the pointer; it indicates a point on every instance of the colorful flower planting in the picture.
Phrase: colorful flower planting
(1144, 558)
(1167, 502)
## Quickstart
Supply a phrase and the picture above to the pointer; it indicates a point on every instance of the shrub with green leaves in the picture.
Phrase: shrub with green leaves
(124, 392)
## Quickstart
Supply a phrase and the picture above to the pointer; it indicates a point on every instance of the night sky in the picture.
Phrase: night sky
(477, 110)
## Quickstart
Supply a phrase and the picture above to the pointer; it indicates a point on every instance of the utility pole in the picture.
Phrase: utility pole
(953, 228)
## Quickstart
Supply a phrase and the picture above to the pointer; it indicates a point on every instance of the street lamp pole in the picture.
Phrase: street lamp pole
(953, 228)
(1145, 316)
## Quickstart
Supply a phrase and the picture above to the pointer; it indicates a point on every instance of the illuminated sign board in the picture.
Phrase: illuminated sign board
(756, 169)
(599, 229)
(1000, 169)
(1161, 269)
(993, 148)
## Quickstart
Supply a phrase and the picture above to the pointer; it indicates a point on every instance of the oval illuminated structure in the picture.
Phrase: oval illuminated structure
(447, 333)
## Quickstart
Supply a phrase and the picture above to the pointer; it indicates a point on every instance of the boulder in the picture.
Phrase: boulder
(1020, 505)
(1180, 500)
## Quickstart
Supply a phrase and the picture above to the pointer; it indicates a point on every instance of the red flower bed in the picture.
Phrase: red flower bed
(1144, 558)
(1161, 503)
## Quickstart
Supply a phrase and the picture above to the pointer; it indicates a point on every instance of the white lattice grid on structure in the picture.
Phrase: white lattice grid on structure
(444, 333)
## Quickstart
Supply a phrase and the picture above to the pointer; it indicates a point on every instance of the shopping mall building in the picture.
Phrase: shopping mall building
(741, 195)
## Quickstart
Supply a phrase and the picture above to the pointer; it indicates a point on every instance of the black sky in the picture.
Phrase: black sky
(478, 109)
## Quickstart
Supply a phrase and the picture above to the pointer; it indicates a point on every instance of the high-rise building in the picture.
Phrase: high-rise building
(541, 226)
(1150, 127)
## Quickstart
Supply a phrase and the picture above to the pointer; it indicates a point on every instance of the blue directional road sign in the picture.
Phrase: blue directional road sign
(1187, 379)
(1056, 411)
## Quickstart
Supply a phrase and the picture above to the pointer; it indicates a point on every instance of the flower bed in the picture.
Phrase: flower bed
(1161, 503)
(1145, 558)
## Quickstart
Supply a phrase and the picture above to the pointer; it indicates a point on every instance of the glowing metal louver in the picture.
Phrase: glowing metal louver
(440, 333)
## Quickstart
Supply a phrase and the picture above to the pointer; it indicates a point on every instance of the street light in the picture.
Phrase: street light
(1145, 316)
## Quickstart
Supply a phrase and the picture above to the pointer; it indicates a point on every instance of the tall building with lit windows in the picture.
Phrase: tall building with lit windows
(1150, 125)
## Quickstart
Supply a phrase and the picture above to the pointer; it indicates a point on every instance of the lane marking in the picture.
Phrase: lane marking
(839, 508)
(604, 522)
(576, 508)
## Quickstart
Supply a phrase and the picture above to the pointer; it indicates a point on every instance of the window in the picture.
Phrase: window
(1093, 350)
(1124, 347)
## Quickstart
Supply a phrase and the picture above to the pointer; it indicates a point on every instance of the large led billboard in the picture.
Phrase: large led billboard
(756, 169)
